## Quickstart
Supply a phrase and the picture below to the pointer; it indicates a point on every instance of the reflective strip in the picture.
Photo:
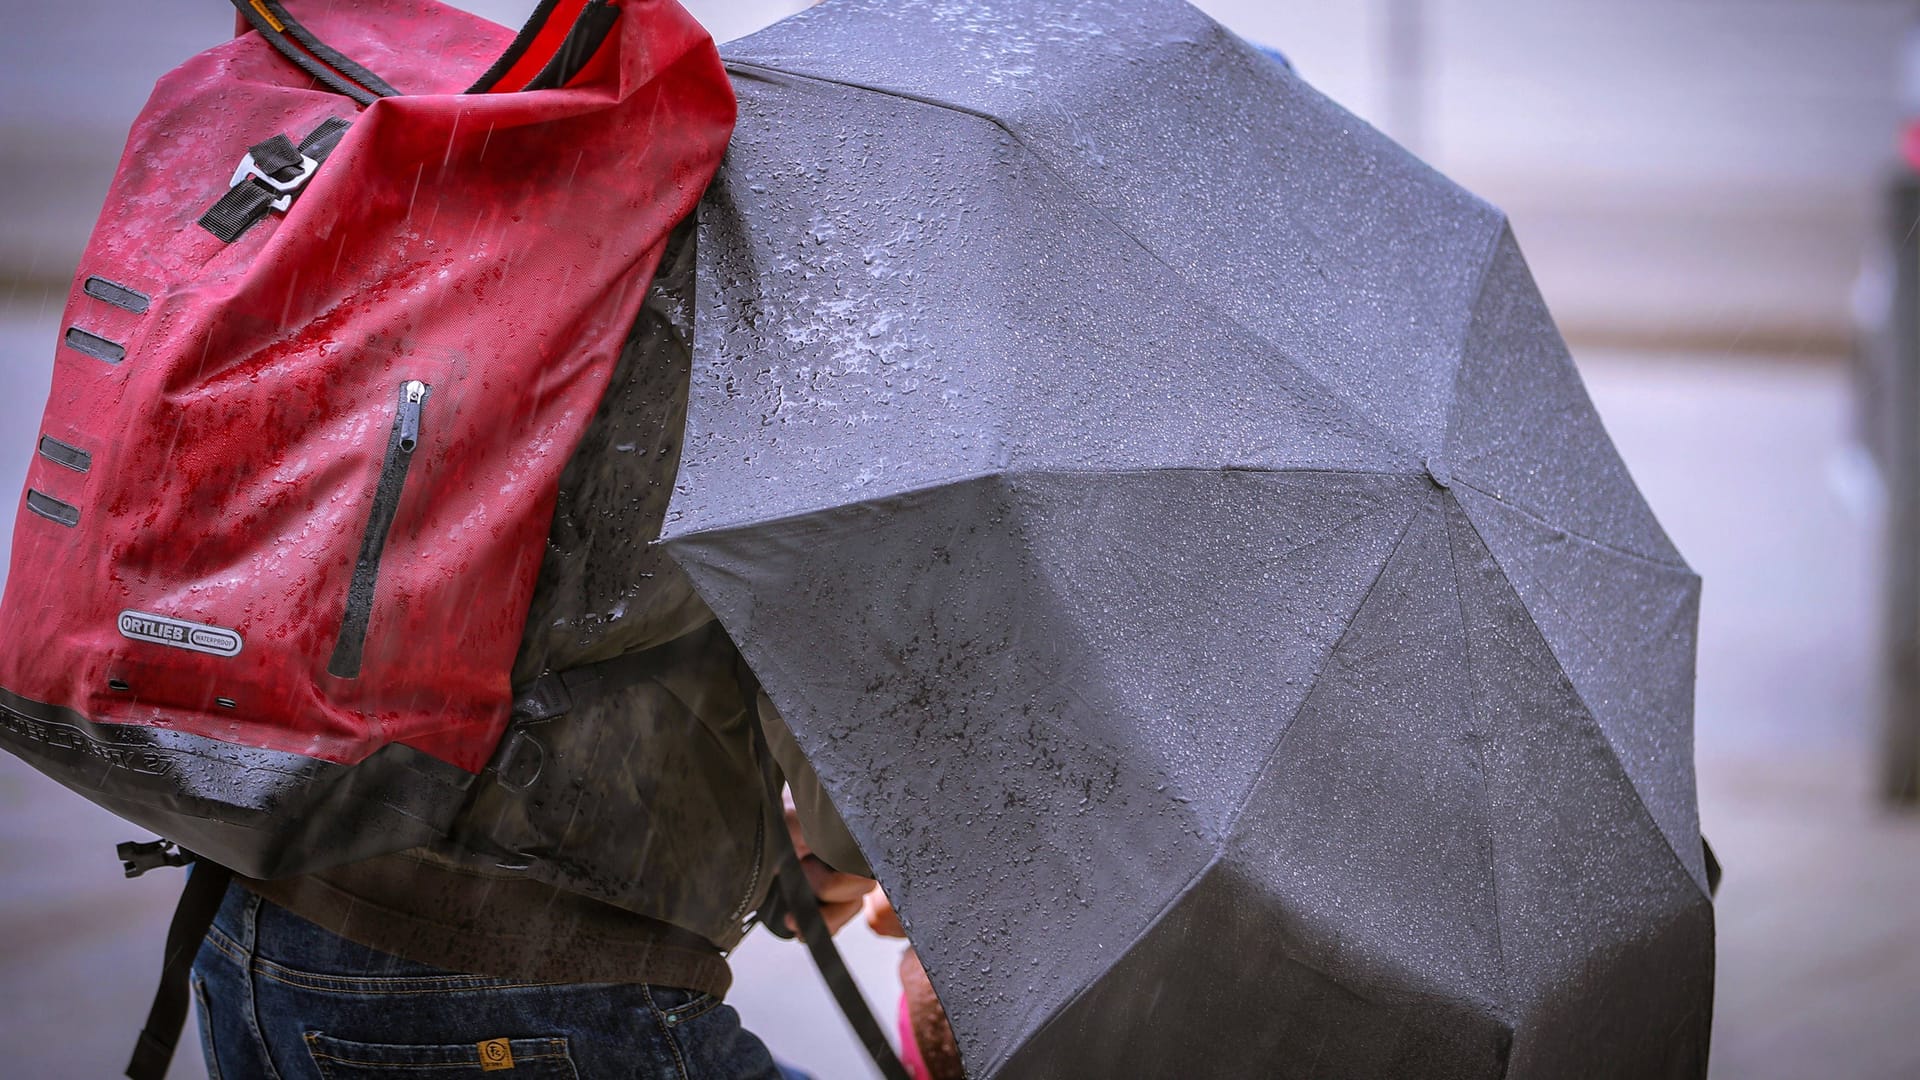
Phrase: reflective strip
(62, 454)
(53, 509)
(117, 294)
(268, 15)
(95, 346)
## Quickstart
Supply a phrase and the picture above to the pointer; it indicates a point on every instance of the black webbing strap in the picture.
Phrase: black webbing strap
(583, 39)
(797, 899)
(275, 156)
(325, 53)
(199, 902)
(246, 202)
(313, 56)
(322, 140)
(238, 210)
(555, 693)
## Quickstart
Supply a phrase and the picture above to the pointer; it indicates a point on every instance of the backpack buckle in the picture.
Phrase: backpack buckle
(249, 170)
(137, 858)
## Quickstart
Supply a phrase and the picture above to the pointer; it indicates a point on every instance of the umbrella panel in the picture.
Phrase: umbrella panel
(929, 500)
(1259, 197)
(976, 317)
(1608, 940)
(1621, 629)
(1443, 872)
(963, 651)
(1523, 430)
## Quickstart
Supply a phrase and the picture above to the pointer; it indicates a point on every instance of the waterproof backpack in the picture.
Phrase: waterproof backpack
(332, 342)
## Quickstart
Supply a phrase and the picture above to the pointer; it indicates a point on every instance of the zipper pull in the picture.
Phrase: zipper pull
(413, 395)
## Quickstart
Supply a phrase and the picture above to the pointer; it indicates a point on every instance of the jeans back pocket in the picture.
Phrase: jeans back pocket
(491, 1059)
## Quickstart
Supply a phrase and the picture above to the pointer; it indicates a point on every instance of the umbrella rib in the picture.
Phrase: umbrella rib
(1273, 751)
(1198, 299)
(1572, 688)
(791, 516)
(1094, 980)
(1479, 752)
(1466, 331)
(1503, 232)
(1616, 549)
(1220, 852)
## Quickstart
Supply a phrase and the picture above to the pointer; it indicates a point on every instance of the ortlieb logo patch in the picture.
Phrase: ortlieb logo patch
(160, 630)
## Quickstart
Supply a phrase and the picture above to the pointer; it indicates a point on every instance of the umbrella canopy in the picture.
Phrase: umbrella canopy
(1166, 515)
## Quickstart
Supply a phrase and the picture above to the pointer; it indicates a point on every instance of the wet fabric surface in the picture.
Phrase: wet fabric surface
(1168, 519)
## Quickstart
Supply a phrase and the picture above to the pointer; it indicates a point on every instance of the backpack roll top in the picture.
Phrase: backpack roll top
(319, 371)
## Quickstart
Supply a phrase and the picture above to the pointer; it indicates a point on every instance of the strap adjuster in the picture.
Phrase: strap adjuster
(137, 858)
(248, 169)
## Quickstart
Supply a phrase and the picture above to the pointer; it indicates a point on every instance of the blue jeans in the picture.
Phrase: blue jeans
(282, 999)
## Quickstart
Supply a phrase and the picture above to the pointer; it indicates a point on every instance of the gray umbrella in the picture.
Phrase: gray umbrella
(1171, 524)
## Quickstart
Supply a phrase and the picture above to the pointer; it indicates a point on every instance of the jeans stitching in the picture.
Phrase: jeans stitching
(249, 911)
(692, 1010)
(206, 1028)
(321, 1055)
(666, 1029)
(226, 945)
(373, 988)
(250, 931)
(557, 1050)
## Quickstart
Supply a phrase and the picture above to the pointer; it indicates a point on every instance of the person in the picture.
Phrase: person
(578, 921)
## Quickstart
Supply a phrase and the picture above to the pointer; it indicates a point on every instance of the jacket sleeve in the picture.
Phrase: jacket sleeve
(826, 834)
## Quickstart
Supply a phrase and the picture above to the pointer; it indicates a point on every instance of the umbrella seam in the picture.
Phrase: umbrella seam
(1086, 987)
(1493, 872)
(1583, 537)
(1199, 300)
(1231, 821)
(1501, 228)
(1273, 751)
(1612, 749)
(1504, 232)
(669, 540)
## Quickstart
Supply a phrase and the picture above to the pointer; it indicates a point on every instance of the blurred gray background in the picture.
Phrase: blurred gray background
(1697, 184)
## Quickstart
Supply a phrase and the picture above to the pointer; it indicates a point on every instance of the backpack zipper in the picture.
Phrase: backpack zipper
(401, 443)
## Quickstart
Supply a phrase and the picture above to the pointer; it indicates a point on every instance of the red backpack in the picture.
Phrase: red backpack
(332, 341)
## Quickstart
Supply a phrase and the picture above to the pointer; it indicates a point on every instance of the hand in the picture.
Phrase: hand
(881, 918)
(839, 894)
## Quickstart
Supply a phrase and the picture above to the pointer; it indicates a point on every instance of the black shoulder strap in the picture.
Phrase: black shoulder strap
(797, 899)
(339, 72)
(199, 902)
(310, 54)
